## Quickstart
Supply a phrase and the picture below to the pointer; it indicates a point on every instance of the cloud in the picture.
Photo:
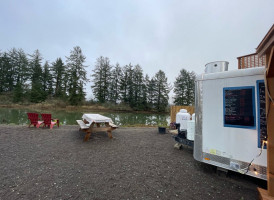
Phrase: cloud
(157, 34)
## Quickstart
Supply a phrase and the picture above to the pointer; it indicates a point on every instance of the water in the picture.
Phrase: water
(19, 116)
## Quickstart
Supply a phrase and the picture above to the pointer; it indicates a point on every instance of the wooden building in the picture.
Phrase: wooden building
(265, 51)
(264, 56)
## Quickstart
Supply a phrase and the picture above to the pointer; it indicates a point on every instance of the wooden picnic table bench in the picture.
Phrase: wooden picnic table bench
(93, 123)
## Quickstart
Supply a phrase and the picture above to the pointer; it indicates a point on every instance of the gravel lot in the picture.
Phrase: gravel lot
(138, 163)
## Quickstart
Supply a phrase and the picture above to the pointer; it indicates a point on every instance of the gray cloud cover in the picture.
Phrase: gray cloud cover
(157, 34)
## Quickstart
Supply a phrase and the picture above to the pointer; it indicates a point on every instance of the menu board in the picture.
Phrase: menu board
(239, 107)
(262, 129)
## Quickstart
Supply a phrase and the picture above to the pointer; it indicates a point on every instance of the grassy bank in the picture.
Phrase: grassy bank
(58, 104)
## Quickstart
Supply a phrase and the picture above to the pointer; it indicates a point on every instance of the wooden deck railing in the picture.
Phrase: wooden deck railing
(251, 60)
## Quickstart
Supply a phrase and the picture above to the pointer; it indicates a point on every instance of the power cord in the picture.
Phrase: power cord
(248, 167)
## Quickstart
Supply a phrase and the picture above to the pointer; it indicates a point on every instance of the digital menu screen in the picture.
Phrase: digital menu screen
(262, 128)
(239, 107)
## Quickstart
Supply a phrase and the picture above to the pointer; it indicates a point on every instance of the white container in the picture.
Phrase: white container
(190, 130)
(182, 118)
(193, 117)
(217, 66)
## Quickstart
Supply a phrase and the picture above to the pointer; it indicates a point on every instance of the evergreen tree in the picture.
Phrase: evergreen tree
(9, 73)
(162, 88)
(14, 68)
(6, 80)
(102, 79)
(151, 88)
(184, 88)
(21, 72)
(127, 88)
(1, 73)
(47, 80)
(130, 86)
(36, 93)
(18, 93)
(59, 78)
(76, 76)
(65, 85)
(138, 86)
(123, 85)
(145, 91)
(115, 84)
(191, 90)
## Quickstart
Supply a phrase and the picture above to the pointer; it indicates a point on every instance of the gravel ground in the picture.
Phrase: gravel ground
(138, 163)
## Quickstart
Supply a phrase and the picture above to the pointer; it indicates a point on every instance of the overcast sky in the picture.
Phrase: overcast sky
(156, 34)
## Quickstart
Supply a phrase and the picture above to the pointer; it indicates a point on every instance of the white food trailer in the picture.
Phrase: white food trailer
(230, 128)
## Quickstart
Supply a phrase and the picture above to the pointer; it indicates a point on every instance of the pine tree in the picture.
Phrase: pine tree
(127, 88)
(184, 88)
(145, 91)
(151, 88)
(130, 86)
(115, 84)
(47, 80)
(36, 93)
(21, 72)
(162, 88)
(191, 88)
(102, 79)
(5, 73)
(9, 72)
(59, 79)
(76, 76)
(138, 83)
(124, 86)
(18, 93)
(1, 73)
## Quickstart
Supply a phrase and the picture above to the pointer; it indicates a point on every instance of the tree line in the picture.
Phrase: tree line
(129, 85)
(26, 77)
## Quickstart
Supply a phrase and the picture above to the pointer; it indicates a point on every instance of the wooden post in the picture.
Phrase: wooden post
(269, 193)
(109, 134)
(270, 125)
(265, 51)
(88, 132)
(239, 63)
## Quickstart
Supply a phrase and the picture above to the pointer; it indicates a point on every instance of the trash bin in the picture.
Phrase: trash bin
(162, 130)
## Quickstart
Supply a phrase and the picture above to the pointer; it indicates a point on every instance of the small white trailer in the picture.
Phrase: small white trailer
(230, 128)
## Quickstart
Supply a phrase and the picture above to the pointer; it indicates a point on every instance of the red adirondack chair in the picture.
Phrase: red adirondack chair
(34, 119)
(48, 121)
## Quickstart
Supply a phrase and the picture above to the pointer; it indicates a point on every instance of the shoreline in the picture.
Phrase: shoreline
(99, 108)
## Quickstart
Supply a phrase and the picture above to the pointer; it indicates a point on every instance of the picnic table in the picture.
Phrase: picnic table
(92, 123)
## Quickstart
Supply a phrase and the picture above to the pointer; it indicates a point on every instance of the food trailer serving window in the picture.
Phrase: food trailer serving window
(239, 107)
